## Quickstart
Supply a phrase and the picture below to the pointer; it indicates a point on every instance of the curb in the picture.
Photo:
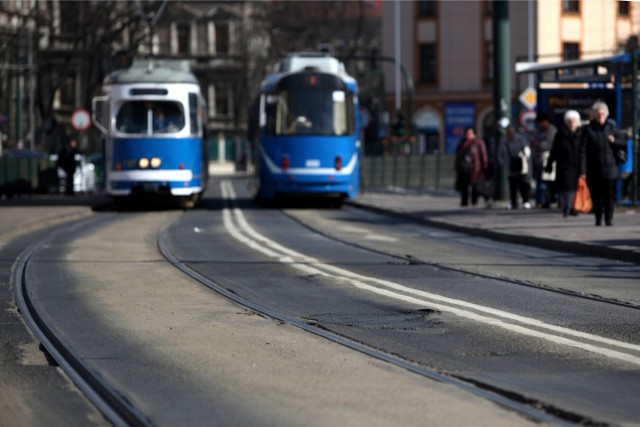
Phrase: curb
(539, 242)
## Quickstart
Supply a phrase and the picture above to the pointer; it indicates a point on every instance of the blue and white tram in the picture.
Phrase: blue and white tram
(152, 117)
(309, 130)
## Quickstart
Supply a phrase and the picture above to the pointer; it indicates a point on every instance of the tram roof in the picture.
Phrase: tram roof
(153, 71)
(535, 67)
(308, 61)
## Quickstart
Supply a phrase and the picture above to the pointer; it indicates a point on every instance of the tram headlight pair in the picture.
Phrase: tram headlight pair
(154, 163)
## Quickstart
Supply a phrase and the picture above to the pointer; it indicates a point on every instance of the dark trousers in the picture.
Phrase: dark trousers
(519, 183)
(603, 196)
(68, 183)
(464, 182)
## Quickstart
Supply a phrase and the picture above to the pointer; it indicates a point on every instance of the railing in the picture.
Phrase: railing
(421, 173)
(26, 175)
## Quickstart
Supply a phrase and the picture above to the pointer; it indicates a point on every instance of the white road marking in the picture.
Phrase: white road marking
(244, 233)
(379, 238)
(353, 229)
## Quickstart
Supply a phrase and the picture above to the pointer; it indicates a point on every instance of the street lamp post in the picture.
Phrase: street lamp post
(501, 80)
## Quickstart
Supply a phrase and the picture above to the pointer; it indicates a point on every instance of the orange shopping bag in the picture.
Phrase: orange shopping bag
(582, 200)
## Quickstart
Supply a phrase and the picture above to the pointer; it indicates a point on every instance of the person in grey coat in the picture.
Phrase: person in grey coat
(598, 162)
(565, 152)
(514, 155)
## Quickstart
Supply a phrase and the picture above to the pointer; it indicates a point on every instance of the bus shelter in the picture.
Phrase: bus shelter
(577, 85)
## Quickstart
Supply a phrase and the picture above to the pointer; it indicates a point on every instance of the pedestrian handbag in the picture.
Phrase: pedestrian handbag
(548, 174)
(620, 148)
(620, 154)
(582, 200)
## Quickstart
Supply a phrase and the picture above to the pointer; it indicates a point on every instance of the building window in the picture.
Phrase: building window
(623, 8)
(222, 38)
(428, 63)
(219, 100)
(571, 6)
(570, 51)
(427, 8)
(65, 95)
(184, 38)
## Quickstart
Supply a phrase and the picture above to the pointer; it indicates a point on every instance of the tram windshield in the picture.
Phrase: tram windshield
(317, 109)
(150, 117)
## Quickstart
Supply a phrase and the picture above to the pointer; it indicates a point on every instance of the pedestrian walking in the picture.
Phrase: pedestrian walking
(471, 164)
(540, 149)
(67, 162)
(598, 161)
(565, 153)
(514, 155)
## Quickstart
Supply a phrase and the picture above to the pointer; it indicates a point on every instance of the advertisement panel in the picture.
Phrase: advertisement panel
(555, 102)
(457, 117)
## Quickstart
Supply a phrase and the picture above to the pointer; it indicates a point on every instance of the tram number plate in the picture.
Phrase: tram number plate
(312, 163)
(150, 188)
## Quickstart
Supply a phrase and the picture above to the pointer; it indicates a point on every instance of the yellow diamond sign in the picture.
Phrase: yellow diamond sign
(529, 98)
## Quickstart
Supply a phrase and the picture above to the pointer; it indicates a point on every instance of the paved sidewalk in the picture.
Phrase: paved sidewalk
(544, 228)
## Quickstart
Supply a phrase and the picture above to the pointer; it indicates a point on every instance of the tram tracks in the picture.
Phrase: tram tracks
(236, 225)
(412, 260)
(517, 403)
(108, 400)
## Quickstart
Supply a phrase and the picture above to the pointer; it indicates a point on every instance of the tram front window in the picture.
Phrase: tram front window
(150, 117)
(322, 113)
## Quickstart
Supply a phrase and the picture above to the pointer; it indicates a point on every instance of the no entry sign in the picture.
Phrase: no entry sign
(80, 120)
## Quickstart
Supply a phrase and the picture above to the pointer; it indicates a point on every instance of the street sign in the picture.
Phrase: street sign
(80, 120)
(528, 120)
(529, 98)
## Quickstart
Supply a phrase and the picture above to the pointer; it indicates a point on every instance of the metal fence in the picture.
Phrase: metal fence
(429, 172)
(27, 175)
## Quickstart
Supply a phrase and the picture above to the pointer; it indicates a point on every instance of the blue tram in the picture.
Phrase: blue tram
(309, 130)
(151, 115)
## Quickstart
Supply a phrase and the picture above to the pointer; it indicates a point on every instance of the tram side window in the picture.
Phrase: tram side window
(276, 112)
(150, 117)
(342, 105)
(193, 113)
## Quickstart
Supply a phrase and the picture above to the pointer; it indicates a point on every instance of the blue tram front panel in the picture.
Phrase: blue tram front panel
(317, 165)
(172, 165)
(308, 135)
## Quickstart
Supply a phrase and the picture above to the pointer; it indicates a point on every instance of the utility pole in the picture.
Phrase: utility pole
(633, 45)
(501, 80)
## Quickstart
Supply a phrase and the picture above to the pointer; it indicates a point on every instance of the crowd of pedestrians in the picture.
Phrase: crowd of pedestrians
(549, 162)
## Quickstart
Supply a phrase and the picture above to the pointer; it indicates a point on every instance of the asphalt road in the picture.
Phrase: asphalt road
(553, 330)
(185, 356)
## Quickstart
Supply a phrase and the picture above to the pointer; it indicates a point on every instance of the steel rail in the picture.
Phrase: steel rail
(535, 410)
(409, 259)
(107, 400)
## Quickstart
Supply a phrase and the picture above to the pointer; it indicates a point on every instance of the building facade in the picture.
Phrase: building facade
(56, 53)
(447, 47)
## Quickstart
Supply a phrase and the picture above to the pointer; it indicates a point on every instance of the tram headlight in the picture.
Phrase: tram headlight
(156, 162)
(143, 163)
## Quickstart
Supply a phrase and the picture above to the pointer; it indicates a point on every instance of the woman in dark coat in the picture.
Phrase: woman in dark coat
(565, 152)
(471, 164)
(598, 162)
